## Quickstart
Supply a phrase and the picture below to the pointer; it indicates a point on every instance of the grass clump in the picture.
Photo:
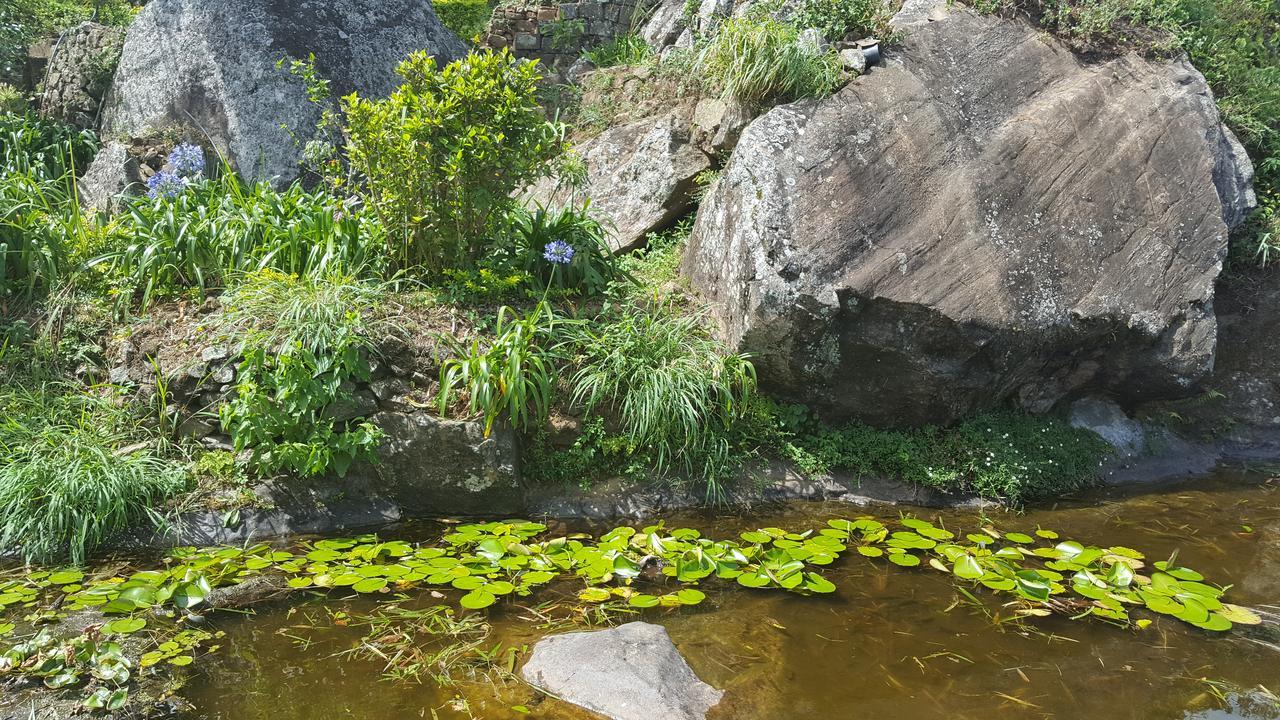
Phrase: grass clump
(74, 469)
(629, 49)
(672, 388)
(511, 375)
(759, 60)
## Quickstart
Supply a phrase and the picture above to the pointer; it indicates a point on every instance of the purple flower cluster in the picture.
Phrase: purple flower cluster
(558, 252)
(187, 160)
(165, 184)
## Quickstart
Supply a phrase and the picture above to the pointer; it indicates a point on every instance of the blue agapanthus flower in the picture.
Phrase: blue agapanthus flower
(165, 184)
(187, 160)
(558, 252)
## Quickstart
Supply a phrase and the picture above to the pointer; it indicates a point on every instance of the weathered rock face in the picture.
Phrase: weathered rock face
(431, 465)
(988, 217)
(640, 177)
(210, 67)
(80, 71)
(631, 672)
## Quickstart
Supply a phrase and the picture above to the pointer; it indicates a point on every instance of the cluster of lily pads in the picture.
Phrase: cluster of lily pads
(650, 567)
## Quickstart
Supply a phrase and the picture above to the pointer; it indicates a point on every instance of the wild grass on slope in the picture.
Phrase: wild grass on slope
(74, 469)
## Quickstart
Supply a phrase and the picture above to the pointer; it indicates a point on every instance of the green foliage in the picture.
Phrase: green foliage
(1236, 44)
(565, 33)
(1008, 457)
(303, 339)
(11, 100)
(40, 221)
(838, 18)
(513, 375)
(593, 268)
(466, 18)
(629, 49)
(441, 157)
(75, 469)
(673, 389)
(761, 60)
(222, 228)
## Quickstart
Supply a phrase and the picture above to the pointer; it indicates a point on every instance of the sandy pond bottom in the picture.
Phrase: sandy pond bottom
(890, 643)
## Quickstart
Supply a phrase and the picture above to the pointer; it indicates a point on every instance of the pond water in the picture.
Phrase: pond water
(890, 643)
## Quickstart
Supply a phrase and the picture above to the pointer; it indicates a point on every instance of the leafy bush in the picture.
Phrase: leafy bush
(208, 234)
(838, 18)
(761, 60)
(672, 388)
(592, 268)
(74, 469)
(513, 375)
(466, 18)
(304, 339)
(440, 158)
(629, 49)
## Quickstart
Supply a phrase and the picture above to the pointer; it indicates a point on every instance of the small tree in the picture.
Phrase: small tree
(441, 157)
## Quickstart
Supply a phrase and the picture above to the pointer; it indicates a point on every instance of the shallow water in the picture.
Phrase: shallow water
(891, 643)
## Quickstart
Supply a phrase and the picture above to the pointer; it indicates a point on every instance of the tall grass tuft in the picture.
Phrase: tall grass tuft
(670, 385)
(513, 375)
(224, 228)
(75, 469)
(757, 60)
(629, 49)
(40, 221)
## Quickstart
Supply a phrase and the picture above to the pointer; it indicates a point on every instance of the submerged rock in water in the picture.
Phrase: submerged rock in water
(631, 672)
(985, 218)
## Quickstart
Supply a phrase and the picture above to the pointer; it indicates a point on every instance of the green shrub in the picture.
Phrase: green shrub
(75, 469)
(1007, 457)
(629, 49)
(672, 388)
(593, 267)
(512, 375)
(757, 61)
(218, 229)
(838, 18)
(466, 18)
(304, 339)
(440, 158)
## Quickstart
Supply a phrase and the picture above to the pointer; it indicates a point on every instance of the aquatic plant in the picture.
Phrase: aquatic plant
(485, 564)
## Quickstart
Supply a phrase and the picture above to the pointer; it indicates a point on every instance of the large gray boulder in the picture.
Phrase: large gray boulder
(210, 69)
(631, 672)
(640, 177)
(988, 217)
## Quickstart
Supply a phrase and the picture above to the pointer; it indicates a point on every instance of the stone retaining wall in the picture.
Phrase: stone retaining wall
(557, 34)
